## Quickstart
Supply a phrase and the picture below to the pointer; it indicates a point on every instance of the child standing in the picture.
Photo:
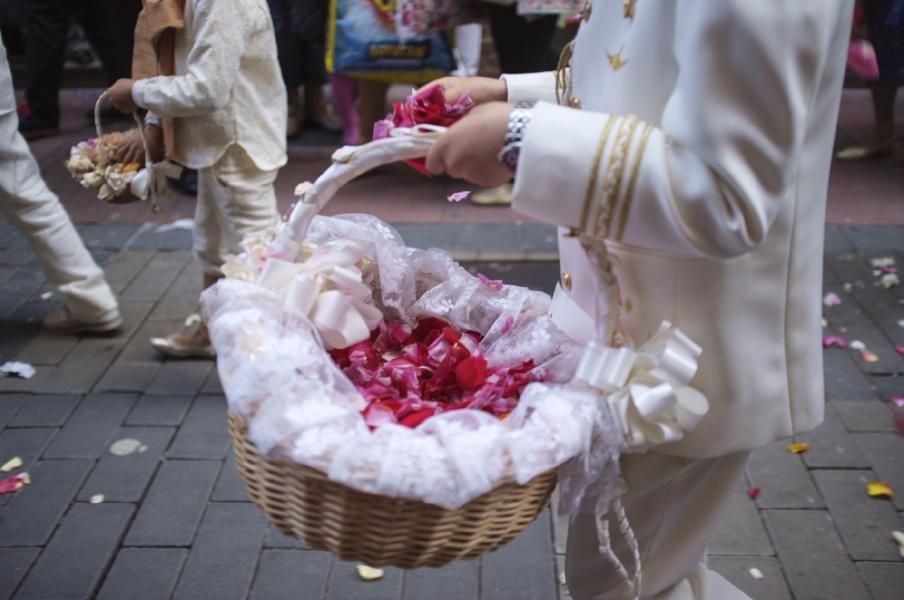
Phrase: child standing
(228, 105)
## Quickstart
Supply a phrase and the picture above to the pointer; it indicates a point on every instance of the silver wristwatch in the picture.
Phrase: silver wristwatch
(514, 134)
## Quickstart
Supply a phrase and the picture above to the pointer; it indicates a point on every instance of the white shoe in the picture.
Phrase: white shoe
(62, 322)
(497, 196)
(192, 342)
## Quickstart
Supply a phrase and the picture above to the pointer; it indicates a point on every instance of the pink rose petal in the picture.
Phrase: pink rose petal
(496, 284)
(833, 341)
(459, 196)
(831, 299)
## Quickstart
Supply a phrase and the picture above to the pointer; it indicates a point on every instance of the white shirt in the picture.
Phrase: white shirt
(227, 89)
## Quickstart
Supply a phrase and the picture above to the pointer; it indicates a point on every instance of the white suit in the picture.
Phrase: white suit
(229, 104)
(37, 212)
(712, 200)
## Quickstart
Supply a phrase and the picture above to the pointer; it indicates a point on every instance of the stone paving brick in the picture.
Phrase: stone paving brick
(863, 522)
(159, 410)
(224, 556)
(888, 387)
(16, 562)
(889, 360)
(836, 241)
(885, 452)
(175, 239)
(782, 478)
(292, 574)
(525, 569)
(127, 378)
(864, 416)
(843, 380)
(564, 593)
(73, 563)
(212, 385)
(740, 530)
(152, 282)
(47, 349)
(113, 236)
(230, 487)
(125, 265)
(143, 574)
(736, 569)
(45, 411)
(275, 539)
(9, 405)
(875, 240)
(125, 478)
(181, 300)
(812, 574)
(346, 585)
(884, 580)
(89, 428)
(831, 446)
(32, 513)
(25, 443)
(204, 433)
(172, 509)
(458, 581)
(180, 377)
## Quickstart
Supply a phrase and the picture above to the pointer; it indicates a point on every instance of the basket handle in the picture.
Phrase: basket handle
(350, 162)
(100, 130)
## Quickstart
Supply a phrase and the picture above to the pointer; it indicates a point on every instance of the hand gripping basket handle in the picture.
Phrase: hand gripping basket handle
(352, 161)
(100, 131)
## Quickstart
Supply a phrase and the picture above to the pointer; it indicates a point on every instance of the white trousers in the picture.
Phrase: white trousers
(673, 505)
(37, 213)
(235, 199)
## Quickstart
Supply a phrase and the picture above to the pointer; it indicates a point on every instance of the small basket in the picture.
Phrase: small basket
(377, 530)
(128, 196)
(357, 526)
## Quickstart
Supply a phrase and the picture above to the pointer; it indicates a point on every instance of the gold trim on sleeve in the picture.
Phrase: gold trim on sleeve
(614, 174)
(615, 60)
(628, 9)
(563, 73)
(632, 183)
(594, 171)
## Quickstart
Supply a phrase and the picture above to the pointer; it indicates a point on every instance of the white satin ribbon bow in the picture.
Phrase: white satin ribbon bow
(648, 388)
(328, 289)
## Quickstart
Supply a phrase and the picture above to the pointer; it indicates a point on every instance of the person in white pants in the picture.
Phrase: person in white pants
(36, 211)
(228, 104)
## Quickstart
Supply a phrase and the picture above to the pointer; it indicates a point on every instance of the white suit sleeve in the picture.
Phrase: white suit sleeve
(531, 86)
(711, 179)
(212, 65)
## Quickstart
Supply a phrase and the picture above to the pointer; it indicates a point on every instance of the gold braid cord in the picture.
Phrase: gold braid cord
(563, 75)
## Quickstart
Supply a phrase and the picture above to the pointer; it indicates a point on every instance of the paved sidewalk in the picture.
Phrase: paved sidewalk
(175, 522)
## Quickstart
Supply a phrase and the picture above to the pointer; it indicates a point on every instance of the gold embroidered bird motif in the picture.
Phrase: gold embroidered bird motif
(616, 61)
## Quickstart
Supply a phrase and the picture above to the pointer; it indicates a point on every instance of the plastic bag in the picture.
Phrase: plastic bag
(362, 42)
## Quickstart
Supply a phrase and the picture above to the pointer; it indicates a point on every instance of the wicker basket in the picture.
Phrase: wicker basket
(376, 530)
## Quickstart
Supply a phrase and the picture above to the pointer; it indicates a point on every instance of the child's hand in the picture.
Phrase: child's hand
(469, 149)
(481, 89)
(120, 96)
(130, 150)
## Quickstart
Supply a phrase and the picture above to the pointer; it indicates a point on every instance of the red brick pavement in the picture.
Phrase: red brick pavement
(860, 193)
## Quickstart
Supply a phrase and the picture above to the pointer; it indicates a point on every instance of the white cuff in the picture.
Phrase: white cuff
(531, 86)
(151, 119)
(137, 93)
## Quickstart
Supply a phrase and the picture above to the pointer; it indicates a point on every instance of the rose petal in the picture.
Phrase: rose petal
(879, 489)
(369, 573)
(495, 284)
(869, 356)
(12, 464)
(96, 499)
(857, 345)
(831, 299)
(459, 196)
(798, 447)
(756, 573)
(753, 493)
(900, 349)
(833, 341)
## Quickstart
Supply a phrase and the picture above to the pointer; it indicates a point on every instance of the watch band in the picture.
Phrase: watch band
(514, 135)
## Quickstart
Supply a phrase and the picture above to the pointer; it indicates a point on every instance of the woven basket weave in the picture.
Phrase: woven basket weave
(377, 530)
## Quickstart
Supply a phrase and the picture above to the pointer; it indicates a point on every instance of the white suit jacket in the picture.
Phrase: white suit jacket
(711, 196)
(228, 88)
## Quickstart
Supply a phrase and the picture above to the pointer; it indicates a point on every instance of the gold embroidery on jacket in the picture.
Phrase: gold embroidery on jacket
(563, 74)
(615, 60)
(614, 174)
(594, 170)
(628, 8)
(632, 183)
